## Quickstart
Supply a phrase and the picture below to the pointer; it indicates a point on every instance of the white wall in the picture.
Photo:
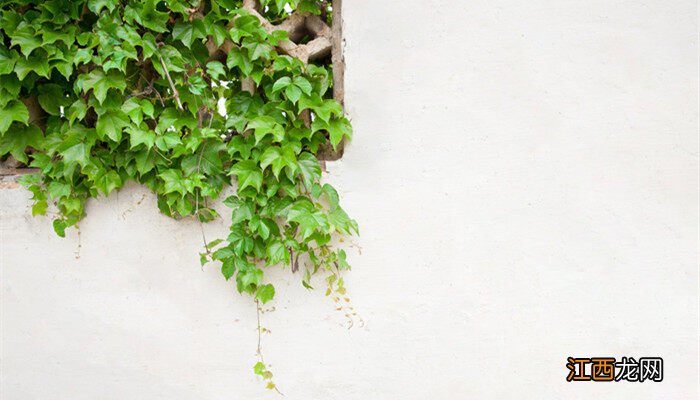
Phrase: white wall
(525, 175)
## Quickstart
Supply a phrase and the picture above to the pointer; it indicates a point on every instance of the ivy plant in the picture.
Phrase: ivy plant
(185, 97)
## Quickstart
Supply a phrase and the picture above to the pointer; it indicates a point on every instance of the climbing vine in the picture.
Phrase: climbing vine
(185, 97)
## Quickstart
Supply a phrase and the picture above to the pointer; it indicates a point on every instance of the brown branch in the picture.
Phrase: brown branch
(323, 5)
(176, 95)
(337, 53)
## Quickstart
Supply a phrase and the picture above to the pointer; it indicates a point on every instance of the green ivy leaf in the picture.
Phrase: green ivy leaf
(266, 125)
(188, 32)
(13, 111)
(259, 368)
(39, 208)
(258, 50)
(265, 293)
(139, 136)
(52, 97)
(59, 226)
(173, 182)
(228, 268)
(310, 168)
(151, 18)
(97, 5)
(58, 190)
(308, 6)
(168, 141)
(100, 83)
(323, 109)
(245, 26)
(281, 83)
(217, 32)
(205, 214)
(16, 140)
(331, 195)
(267, 228)
(247, 174)
(132, 107)
(37, 64)
(308, 217)
(339, 220)
(107, 181)
(279, 158)
(77, 145)
(242, 212)
(111, 124)
(248, 279)
(26, 38)
(237, 58)
(76, 111)
(303, 84)
(293, 93)
(223, 253)
(337, 129)
(7, 60)
(216, 69)
(66, 36)
(277, 253)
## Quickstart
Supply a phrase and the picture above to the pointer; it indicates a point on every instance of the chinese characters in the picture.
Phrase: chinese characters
(607, 369)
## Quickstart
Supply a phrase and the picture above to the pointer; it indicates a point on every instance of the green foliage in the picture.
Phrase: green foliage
(96, 93)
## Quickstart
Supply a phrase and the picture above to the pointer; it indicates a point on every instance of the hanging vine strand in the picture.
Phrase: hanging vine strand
(185, 97)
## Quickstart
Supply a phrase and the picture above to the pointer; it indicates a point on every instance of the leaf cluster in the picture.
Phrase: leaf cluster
(96, 93)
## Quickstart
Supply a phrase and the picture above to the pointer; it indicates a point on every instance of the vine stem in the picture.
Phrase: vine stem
(196, 201)
(199, 191)
(260, 354)
(257, 308)
(176, 95)
(77, 250)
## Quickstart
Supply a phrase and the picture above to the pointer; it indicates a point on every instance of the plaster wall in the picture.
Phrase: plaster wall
(525, 177)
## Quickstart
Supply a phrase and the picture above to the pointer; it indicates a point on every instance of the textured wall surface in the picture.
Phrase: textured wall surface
(525, 176)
